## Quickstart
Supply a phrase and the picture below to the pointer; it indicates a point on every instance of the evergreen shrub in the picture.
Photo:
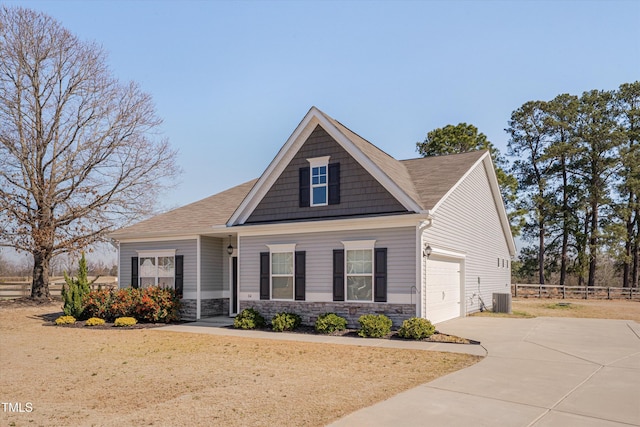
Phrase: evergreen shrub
(374, 325)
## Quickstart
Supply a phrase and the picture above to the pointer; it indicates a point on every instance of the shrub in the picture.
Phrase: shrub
(374, 325)
(98, 304)
(151, 304)
(330, 322)
(125, 321)
(65, 320)
(75, 289)
(285, 322)
(416, 328)
(94, 321)
(158, 305)
(249, 318)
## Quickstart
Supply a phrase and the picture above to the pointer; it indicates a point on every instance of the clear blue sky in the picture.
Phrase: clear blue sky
(233, 79)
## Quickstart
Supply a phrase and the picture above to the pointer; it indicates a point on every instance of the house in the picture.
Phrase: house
(334, 224)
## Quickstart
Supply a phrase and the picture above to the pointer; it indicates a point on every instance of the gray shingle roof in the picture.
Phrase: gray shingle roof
(434, 176)
(425, 180)
(391, 167)
(195, 218)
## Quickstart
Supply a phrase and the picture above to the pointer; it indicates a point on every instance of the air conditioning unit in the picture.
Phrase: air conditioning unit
(502, 303)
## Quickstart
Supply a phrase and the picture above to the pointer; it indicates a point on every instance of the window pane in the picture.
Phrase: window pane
(359, 262)
(319, 195)
(165, 266)
(147, 267)
(282, 288)
(282, 263)
(359, 288)
(166, 282)
(145, 282)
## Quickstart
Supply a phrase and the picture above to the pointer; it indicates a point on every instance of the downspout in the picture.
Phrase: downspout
(422, 225)
(198, 287)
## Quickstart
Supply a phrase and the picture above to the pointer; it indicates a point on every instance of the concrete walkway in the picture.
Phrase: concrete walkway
(538, 372)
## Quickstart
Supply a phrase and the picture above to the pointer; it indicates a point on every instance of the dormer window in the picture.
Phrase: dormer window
(319, 180)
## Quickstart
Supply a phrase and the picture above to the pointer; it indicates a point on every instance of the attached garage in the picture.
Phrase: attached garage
(443, 289)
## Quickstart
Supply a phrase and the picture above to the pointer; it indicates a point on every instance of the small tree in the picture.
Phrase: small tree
(75, 290)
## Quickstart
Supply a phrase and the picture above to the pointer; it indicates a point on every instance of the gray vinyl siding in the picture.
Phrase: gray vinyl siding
(468, 222)
(360, 193)
(187, 248)
(401, 253)
(211, 278)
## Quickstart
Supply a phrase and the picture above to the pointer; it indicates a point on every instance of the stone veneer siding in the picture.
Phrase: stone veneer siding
(208, 308)
(309, 311)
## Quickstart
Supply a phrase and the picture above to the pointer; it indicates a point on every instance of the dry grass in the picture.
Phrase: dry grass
(82, 376)
(595, 309)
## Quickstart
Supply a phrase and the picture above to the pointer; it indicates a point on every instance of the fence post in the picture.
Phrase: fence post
(564, 291)
(540, 291)
(516, 290)
(608, 292)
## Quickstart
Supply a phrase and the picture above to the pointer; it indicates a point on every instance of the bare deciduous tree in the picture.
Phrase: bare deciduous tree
(79, 151)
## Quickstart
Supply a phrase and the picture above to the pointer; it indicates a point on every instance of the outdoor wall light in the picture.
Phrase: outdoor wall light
(427, 251)
(230, 247)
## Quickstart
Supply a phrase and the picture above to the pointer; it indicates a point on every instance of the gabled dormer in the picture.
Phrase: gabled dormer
(326, 171)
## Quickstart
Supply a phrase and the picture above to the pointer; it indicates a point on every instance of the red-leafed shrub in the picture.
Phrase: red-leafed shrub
(147, 305)
(97, 304)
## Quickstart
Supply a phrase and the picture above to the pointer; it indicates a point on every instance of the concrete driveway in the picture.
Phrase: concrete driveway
(538, 372)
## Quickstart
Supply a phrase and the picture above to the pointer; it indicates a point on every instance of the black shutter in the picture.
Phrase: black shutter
(334, 184)
(305, 187)
(134, 272)
(380, 278)
(338, 274)
(264, 275)
(179, 275)
(300, 275)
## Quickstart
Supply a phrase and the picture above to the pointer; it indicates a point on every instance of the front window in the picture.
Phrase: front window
(157, 269)
(360, 275)
(359, 269)
(319, 180)
(282, 271)
(282, 275)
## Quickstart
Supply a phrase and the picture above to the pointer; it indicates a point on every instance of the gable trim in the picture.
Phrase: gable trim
(299, 136)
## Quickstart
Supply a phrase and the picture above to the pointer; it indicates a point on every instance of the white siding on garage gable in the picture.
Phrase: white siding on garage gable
(182, 247)
(467, 222)
(401, 253)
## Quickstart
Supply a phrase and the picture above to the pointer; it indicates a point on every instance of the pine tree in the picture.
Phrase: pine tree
(75, 289)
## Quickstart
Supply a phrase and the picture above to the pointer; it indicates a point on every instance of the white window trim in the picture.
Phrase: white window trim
(359, 245)
(280, 249)
(317, 162)
(157, 253)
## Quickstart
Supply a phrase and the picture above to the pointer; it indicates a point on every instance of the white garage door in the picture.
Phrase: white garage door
(443, 290)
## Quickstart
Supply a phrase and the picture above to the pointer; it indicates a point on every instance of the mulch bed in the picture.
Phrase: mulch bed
(50, 318)
(353, 333)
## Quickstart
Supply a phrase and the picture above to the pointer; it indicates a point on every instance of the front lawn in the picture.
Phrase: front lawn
(84, 376)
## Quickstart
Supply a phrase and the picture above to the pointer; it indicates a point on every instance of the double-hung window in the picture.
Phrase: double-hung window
(156, 268)
(359, 270)
(319, 180)
(282, 271)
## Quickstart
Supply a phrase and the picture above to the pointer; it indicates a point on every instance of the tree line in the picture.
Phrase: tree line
(577, 164)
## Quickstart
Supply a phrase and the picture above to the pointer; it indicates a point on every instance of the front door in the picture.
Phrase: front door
(234, 285)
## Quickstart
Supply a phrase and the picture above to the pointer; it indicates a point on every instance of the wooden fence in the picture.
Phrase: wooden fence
(574, 292)
(16, 288)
